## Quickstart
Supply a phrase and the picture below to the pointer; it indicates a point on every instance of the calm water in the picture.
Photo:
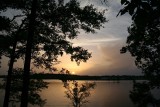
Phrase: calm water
(105, 94)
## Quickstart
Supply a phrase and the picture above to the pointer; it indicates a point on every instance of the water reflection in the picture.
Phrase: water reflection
(144, 94)
(36, 86)
(78, 93)
(106, 94)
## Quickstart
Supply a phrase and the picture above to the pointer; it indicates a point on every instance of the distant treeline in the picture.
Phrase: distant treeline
(81, 77)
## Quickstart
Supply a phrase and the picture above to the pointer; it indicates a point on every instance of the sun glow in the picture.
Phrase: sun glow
(72, 66)
(73, 73)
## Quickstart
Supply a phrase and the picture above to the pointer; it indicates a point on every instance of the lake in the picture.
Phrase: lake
(104, 94)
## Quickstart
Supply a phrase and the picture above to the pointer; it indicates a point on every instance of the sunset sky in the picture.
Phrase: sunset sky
(105, 46)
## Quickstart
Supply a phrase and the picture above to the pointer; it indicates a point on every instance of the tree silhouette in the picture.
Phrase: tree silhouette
(142, 95)
(36, 86)
(26, 78)
(9, 37)
(78, 93)
(54, 24)
(144, 35)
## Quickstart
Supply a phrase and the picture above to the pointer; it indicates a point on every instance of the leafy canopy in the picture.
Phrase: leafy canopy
(56, 24)
(143, 41)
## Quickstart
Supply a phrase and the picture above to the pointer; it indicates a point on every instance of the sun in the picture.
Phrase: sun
(72, 72)
(72, 66)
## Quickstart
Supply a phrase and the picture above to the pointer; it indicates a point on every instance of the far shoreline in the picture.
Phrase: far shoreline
(80, 77)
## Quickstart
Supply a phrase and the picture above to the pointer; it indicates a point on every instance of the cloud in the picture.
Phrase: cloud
(88, 42)
(105, 45)
(109, 61)
(113, 30)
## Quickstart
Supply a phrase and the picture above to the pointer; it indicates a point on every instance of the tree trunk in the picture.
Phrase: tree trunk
(26, 75)
(9, 76)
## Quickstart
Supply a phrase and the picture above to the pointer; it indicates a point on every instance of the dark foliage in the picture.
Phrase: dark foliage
(55, 24)
(143, 41)
(36, 86)
(142, 95)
